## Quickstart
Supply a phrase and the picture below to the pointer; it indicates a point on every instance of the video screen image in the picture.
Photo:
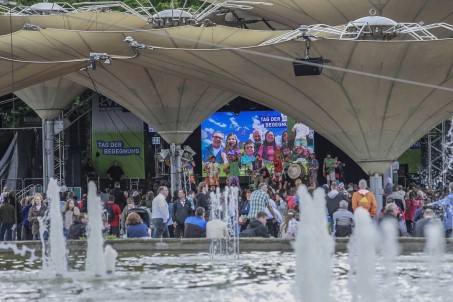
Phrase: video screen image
(253, 135)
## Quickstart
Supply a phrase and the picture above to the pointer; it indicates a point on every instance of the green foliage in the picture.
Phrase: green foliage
(110, 237)
(13, 114)
(158, 4)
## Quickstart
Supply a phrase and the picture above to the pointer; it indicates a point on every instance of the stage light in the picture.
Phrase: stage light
(308, 67)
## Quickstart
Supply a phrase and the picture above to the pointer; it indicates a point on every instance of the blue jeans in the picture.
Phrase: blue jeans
(160, 228)
(6, 228)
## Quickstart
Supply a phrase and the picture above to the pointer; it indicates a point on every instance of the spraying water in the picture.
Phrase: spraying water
(95, 263)
(435, 241)
(110, 256)
(390, 250)
(54, 250)
(362, 255)
(314, 248)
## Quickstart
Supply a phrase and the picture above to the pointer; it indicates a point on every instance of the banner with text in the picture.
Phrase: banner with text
(117, 135)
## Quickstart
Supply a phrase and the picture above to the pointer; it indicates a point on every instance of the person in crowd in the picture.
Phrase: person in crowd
(287, 181)
(269, 147)
(235, 165)
(266, 175)
(195, 226)
(216, 229)
(216, 149)
(391, 214)
(170, 205)
(113, 212)
(364, 198)
(282, 206)
(181, 210)
(339, 172)
(291, 199)
(202, 198)
(191, 200)
(89, 170)
(4, 193)
(419, 212)
(135, 228)
(290, 226)
(123, 217)
(38, 210)
(212, 169)
(257, 141)
(328, 168)
(259, 201)
(313, 167)
(428, 218)
(160, 214)
(120, 198)
(412, 204)
(333, 199)
(7, 217)
(115, 173)
(447, 204)
(257, 170)
(397, 197)
(78, 229)
(83, 204)
(342, 221)
(257, 227)
(273, 220)
(70, 214)
(188, 166)
(244, 208)
(278, 169)
(26, 225)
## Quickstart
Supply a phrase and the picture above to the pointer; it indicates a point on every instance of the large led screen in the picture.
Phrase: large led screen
(249, 133)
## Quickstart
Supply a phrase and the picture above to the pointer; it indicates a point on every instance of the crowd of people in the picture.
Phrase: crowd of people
(262, 211)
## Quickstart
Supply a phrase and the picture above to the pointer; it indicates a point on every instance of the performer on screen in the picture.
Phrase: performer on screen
(232, 146)
(269, 147)
(216, 149)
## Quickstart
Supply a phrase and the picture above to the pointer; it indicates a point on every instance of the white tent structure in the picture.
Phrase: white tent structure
(373, 99)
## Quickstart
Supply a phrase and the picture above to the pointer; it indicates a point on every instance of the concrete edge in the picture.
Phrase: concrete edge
(172, 245)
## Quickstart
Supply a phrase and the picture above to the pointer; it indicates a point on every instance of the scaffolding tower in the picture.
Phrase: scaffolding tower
(439, 155)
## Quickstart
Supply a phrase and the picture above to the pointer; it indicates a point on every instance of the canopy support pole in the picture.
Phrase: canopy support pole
(175, 167)
(48, 136)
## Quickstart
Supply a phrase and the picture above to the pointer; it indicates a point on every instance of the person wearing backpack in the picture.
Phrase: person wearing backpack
(113, 212)
(364, 198)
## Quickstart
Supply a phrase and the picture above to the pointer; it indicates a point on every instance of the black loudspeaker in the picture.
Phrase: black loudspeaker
(302, 69)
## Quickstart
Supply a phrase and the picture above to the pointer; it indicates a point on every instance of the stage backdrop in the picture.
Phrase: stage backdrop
(243, 125)
(117, 135)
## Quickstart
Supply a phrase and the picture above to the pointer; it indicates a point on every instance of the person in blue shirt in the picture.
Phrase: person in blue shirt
(195, 226)
(135, 226)
(447, 204)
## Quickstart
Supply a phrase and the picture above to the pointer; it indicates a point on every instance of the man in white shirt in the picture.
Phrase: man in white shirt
(302, 132)
(160, 213)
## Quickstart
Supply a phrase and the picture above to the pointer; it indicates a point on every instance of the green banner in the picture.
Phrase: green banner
(116, 135)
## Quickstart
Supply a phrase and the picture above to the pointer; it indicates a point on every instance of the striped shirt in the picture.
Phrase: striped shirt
(259, 201)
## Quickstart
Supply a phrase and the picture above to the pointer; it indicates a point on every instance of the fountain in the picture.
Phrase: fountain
(314, 247)
(314, 271)
(54, 263)
(95, 263)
